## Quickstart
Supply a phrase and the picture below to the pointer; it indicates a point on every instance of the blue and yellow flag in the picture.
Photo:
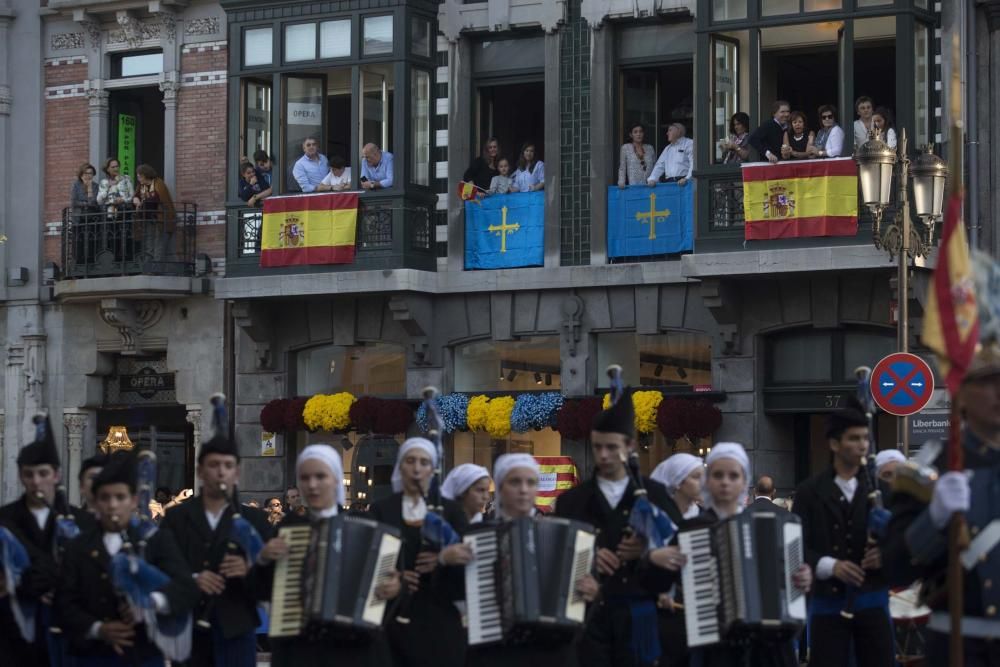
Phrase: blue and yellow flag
(650, 221)
(505, 231)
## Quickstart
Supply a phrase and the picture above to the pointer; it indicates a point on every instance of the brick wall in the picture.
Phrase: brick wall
(66, 142)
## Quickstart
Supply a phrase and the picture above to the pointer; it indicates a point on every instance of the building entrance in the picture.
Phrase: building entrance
(163, 430)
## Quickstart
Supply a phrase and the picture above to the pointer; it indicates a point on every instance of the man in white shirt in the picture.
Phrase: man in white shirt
(676, 162)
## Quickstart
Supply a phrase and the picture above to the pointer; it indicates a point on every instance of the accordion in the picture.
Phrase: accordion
(331, 574)
(522, 581)
(738, 578)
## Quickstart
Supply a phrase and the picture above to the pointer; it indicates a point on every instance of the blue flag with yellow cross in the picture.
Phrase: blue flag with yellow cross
(505, 231)
(645, 220)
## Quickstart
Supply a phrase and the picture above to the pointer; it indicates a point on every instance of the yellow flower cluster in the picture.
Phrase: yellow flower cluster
(645, 404)
(498, 416)
(329, 412)
(475, 417)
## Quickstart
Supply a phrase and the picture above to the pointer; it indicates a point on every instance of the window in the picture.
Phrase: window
(778, 7)
(257, 47)
(420, 129)
(335, 39)
(377, 369)
(377, 91)
(527, 364)
(680, 359)
(136, 64)
(304, 112)
(729, 10)
(421, 37)
(922, 86)
(377, 35)
(256, 117)
(725, 82)
(300, 42)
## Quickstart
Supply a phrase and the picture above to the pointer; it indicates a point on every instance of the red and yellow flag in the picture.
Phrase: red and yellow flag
(555, 475)
(951, 318)
(468, 191)
(806, 198)
(309, 229)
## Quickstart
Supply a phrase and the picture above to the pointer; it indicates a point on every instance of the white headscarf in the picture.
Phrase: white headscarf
(672, 471)
(502, 467)
(734, 451)
(888, 456)
(331, 458)
(461, 478)
(411, 443)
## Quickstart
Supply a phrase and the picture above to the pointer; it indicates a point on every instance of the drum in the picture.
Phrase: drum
(909, 618)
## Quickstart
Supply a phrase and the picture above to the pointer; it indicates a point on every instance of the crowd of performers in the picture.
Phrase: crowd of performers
(99, 586)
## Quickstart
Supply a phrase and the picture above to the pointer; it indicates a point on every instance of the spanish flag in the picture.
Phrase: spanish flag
(309, 229)
(555, 475)
(803, 198)
(468, 191)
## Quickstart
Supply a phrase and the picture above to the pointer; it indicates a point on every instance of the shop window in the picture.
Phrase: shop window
(300, 42)
(675, 359)
(420, 127)
(377, 369)
(815, 357)
(335, 39)
(377, 35)
(257, 47)
(528, 364)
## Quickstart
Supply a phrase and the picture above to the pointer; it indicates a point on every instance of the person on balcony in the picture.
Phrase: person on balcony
(116, 190)
(310, 169)
(86, 217)
(252, 188)
(768, 138)
(485, 167)
(863, 125)
(635, 160)
(530, 173)
(264, 164)
(882, 121)
(798, 138)
(376, 168)
(338, 179)
(736, 148)
(84, 192)
(829, 141)
(676, 162)
(155, 219)
(502, 183)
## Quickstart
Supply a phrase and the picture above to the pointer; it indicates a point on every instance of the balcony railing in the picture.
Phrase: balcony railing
(392, 233)
(152, 240)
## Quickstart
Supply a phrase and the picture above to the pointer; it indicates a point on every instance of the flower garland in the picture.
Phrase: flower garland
(575, 417)
(329, 412)
(685, 418)
(364, 413)
(498, 414)
(477, 412)
(293, 414)
(535, 411)
(645, 404)
(453, 409)
(272, 415)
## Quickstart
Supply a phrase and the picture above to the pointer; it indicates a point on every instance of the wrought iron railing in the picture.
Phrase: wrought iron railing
(123, 241)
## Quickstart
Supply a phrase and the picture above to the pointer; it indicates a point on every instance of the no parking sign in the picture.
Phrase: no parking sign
(902, 384)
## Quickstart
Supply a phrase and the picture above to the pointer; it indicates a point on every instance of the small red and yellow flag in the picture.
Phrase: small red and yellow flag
(309, 229)
(807, 198)
(555, 475)
(468, 191)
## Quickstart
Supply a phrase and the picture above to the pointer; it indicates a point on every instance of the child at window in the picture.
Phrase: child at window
(503, 183)
(252, 189)
(339, 177)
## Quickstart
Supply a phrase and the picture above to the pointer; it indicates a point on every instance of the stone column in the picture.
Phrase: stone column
(98, 98)
(170, 85)
(14, 432)
(194, 418)
(75, 420)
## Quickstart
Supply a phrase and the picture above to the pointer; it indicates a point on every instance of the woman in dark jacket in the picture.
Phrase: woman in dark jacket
(84, 192)
(484, 168)
(86, 218)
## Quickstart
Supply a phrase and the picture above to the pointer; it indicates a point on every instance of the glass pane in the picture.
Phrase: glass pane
(378, 369)
(777, 7)
(729, 10)
(257, 118)
(725, 78)
(659, 360)
(339, 103)
(377, 35)
(138, 65)
(874, 72)
(303, 118)
(257, 45)
(421, 37)
(335, 39)
(865, 349)
(420, 127)
(300, 42)
(921, 86)
(508, 365)
(877, 3)
(376, 106)
(821, 5)
(639, 102)
(801, 359)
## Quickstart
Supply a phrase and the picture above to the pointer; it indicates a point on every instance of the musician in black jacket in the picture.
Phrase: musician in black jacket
(32, 520)
(516, 478)
(427, 627)
(228, 587)
(834, 507)
(320, 474)
(99, 623)
(622, 630)
(769, 137)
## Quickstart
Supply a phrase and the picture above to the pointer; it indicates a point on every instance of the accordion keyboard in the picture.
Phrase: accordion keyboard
(388, 553)
(287, 615)
(700, 581)
(583, 560)
(482, 603)
(793, 560)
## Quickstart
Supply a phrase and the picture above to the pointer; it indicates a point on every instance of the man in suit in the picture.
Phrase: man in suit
(201, 528)
(626, 613)
(834, 508)
(32, 520)
(763, 494)
(100, 624)
(768, 138)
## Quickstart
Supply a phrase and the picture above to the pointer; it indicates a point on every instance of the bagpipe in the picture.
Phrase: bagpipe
(14, 560)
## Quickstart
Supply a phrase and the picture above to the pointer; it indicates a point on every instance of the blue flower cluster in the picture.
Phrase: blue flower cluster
(535, 411)
(453, 409)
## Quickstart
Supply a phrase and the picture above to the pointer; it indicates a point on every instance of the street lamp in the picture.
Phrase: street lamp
(875, 163)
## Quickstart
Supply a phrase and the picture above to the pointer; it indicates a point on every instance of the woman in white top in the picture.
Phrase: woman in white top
(882, 120)
(683, 475)
(339, 177)
(530, 174)
(469, 485)
(115, 190)
(829, 141)
(864, 106)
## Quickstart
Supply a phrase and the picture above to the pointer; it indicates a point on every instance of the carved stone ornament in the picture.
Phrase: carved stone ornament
(255, 321)
(131, 319)
(572, 311)
(97, 97)
(203, 26)
(62, 41)
(133, 31)
(93, 30)
(168, 26)
(170, 85)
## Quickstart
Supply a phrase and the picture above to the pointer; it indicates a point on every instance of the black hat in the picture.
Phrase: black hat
(619, 418)
(221, 441)
(119, 468)
(43, 450)
(852, 414)
(96, 461)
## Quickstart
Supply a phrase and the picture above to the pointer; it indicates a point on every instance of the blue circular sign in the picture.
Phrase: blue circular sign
(902, 384)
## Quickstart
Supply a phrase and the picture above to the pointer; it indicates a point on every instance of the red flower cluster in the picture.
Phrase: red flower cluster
(370, 414)
(680, 417)
(575, 417)
(283, 414)
(293, 414)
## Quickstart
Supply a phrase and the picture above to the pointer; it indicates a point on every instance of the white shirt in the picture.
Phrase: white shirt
(343, 179)
(214, 519)
(834, 145)
(41, 516)
(325, 514)
(613, 489)
(676, 161)
(414, 511)
(824, 567)
(860, 133)
(692, 511)
(525, 180)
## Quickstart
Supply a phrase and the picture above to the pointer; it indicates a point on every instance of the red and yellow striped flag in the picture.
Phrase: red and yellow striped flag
(951, 318)
(309, 229)
(555, 475)
(807, 198)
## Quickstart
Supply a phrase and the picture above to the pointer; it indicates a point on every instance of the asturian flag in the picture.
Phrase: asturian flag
(650, 221)
(505, 231)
